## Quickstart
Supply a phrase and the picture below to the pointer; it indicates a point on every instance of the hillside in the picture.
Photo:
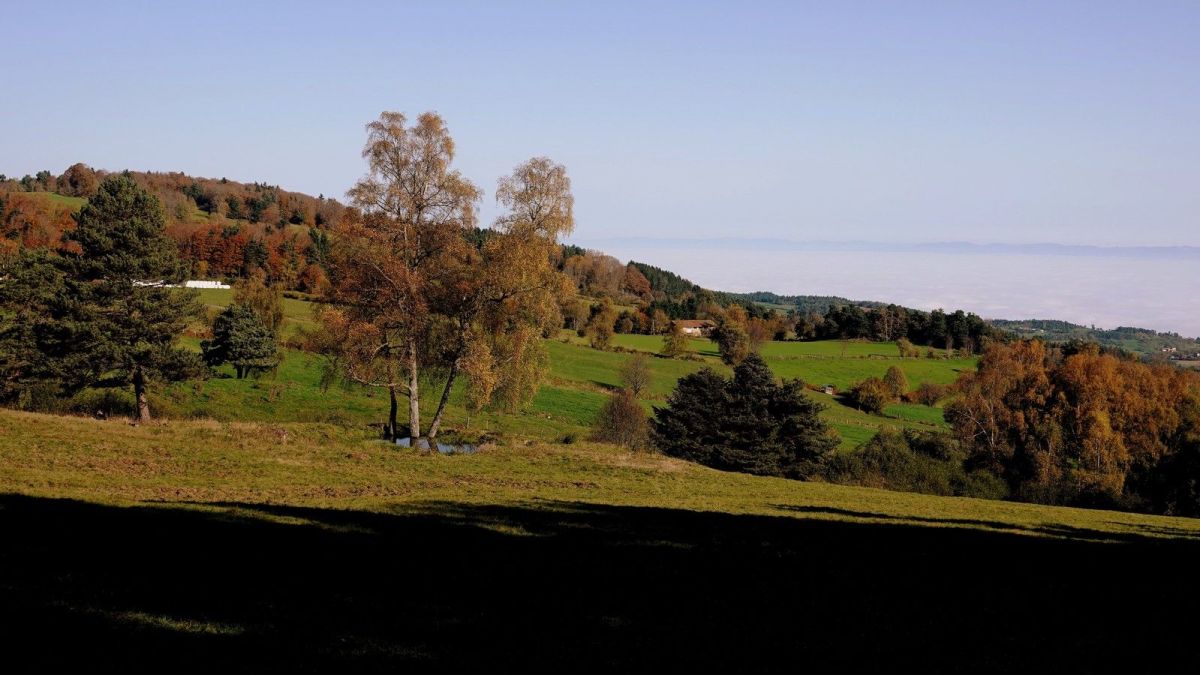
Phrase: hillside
(1135, 340)
(201, 546)
(226, 228)
(578, 381)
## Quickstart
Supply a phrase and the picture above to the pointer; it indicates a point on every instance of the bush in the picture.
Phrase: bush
(981, 485)
(635, 373)
(733, 342)
(599, 335)
(104, 403)
(871, 395)
(621, 421)
(912, 461)
(675, 343)
(907, 349)
(929, 393)
(896, 382)
(886, 461)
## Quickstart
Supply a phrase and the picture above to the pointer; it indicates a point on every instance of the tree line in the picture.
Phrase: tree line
(222, 228)
(938, 328)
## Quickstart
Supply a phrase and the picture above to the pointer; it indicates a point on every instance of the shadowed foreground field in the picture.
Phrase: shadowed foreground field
(249, 587)
(225, 547)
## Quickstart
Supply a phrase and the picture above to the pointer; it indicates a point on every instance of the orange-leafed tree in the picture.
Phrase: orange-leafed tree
(420, 295)
(407, 239)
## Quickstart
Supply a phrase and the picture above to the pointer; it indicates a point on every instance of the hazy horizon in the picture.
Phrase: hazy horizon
(1108, 291)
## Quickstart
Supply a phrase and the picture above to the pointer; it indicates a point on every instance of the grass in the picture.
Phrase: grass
(297, 314)
(206, 545)
(295, 394)
(577, 383)
(327, 465)
(576, 387)
(73, 203)
(845, 373)
(820, 362)
(913, 412)
(70, 203)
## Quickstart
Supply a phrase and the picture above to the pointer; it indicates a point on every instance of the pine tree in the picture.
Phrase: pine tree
(241, 339)
(750, 423)
(112, 318)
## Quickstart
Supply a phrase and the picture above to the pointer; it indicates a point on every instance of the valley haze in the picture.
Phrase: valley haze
(1153, 287)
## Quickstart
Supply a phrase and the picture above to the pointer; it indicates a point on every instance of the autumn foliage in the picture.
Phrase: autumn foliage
(1080, 426)
(223, 228)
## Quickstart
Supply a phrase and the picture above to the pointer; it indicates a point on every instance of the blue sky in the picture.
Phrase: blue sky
(1070, 122)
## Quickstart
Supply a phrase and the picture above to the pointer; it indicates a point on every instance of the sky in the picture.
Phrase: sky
(1069, 122)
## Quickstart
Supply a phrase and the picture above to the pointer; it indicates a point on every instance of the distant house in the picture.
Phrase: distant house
(829, 389)
(696, 327)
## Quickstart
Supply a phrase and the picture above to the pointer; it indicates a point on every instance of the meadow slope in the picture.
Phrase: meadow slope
(578, 380)
(201, 545)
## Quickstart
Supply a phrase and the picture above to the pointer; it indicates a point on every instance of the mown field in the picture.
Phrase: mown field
(201, 546)
(578, 381)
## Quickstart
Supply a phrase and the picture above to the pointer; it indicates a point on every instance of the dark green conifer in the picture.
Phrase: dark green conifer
(241, 340)
(749, 424)
(103, 312)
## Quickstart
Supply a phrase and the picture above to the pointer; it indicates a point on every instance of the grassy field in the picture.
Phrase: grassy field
(201, 546)
(836, 362)
(297, 314)
(73, 203)
(577, 384)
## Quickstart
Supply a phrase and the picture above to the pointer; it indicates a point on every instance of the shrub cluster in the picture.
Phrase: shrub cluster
(913, 461)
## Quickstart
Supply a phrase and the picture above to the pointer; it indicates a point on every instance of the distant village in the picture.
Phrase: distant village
(1185, 358)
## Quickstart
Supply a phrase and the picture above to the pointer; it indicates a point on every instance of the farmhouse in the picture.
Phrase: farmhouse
(697, 327)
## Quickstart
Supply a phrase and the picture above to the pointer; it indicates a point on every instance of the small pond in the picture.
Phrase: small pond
(444, 448)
